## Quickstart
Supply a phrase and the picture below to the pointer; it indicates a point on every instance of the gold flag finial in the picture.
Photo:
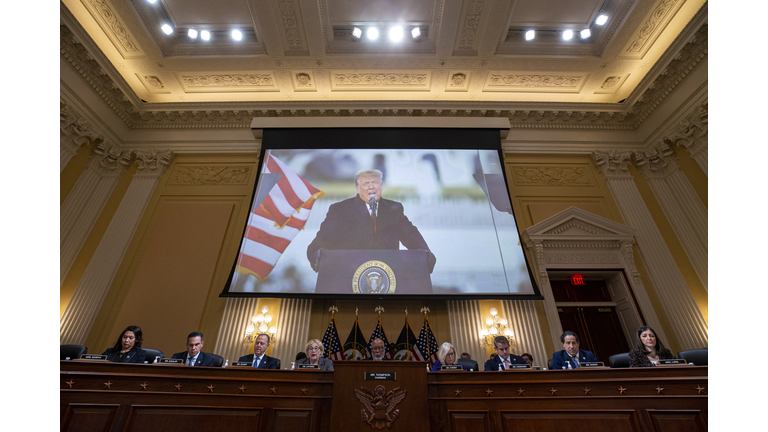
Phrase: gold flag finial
(379, 309)
(425, 310)
(333, 309)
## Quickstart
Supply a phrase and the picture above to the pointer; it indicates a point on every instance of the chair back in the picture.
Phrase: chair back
(217, 360)
(619, 360)
(549, 364)
(151, 354)
(698, 357)
(71, 351)
(468, 363)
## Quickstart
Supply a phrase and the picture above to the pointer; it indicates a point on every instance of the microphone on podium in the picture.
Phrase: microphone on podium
(372, 203)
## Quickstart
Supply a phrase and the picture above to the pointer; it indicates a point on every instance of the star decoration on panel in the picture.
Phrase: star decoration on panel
(71, 382)
(143, 386)
(553, 391)
(273, 389)
(108, 385)
(242, 388)
(659, 389)
(489, 392)
(178, 387)
(520, 392)
(210, 388)
(698, 387)
(587, 391)
(621, 390)
(458, 392)
(304, 391)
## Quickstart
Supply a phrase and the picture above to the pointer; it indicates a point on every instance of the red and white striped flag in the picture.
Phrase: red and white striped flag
(276, 221)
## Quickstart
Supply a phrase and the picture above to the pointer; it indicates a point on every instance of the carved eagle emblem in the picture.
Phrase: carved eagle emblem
(380, 405)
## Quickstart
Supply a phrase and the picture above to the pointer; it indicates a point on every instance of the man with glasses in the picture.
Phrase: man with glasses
(377, 350)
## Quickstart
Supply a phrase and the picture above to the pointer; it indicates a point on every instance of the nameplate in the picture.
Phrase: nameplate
(377, 376)
(308, 366)
(663, 362)
(242, 364)
(519, 366)
(591, 364)
(452, 367)
(170, 360)
(93, 357)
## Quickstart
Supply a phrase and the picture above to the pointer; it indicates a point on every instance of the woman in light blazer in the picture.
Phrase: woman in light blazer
(315, 350)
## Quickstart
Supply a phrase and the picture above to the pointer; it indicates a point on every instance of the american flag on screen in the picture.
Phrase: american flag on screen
(426, 344)
(276, 221)
(331, 342)
(380, 334)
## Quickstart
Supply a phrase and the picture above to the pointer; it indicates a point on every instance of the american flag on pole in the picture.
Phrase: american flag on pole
(405, 343)
(380, 334)
(276, 221)
(331, 342)
(426, 344)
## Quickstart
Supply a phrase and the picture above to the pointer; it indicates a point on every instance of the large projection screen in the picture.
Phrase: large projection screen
(443, 226)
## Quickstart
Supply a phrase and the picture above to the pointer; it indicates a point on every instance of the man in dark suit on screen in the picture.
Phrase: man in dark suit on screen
(366, 222)
(259, 359)
(193, 356)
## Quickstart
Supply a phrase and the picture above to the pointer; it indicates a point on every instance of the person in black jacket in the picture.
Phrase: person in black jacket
(648, 349)
(127, 349)
(504, 357)
(258, 358)
(193, 356)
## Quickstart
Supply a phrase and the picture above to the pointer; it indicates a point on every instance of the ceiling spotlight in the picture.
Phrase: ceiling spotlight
(585, 34)
(167, 29)
(601, 19)
(152, 1)
(372, 33)
(356, 32)
(192, 33)
(396, 33)
(568, 35)
(415, 32)
(530, 34)
(205, 35)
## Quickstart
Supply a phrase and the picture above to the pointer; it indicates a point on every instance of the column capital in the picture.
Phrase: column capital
(692, 132)
(74, 130)
(613, 164)
(657, 161)
(110, 160)
(153, 163)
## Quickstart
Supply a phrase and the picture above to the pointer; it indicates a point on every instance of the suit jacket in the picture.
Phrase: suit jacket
(637, 357)
(136, 356)
(203, 359)
(349, 226)
(493, 364)
(266, 363)
(326, 364)
(437, 366)
(560, 358)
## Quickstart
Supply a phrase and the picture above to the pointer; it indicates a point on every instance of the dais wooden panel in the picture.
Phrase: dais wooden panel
(469, 421)
(90, 417)
(187, 418)
(677, 420)
(571, 421)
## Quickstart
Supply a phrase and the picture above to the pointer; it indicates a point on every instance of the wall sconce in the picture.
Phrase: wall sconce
(496, 326)
(260, 324)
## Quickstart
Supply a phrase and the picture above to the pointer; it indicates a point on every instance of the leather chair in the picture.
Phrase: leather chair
(217, 360)
(619, 360)
(151, 354)
(71, 351)
(549, 364)
(699, 357)
(468, 363)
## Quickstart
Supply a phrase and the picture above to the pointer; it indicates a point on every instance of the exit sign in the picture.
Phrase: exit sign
(577, 279)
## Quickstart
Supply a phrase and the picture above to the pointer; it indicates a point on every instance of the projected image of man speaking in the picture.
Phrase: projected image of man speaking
(366, 222)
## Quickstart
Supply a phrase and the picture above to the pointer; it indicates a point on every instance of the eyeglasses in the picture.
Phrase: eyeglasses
(451, 355)
(314, 349)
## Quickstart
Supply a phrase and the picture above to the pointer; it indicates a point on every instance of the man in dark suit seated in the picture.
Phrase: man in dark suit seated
(259, 359)
(377, 350)
(504, 357)
(571, 354)
(366, 222)
(193, 356)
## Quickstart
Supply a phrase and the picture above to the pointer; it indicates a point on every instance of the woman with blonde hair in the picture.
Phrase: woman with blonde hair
(315, 350)
(446, 355)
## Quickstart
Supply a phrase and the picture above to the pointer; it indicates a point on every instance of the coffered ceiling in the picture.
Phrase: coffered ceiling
(302, 51)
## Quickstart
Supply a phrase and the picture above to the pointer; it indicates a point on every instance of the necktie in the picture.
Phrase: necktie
(190, 361)
(506, 364)
(256, 363)
(373, 215)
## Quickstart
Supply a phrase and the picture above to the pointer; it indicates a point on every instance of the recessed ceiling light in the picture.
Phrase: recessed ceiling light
(601, 19)
(396, 33)
(568, 35)
(585, 34)
(167, 29)
(530, 34)
(372, 33)
(192, 33)
(152, 1)
(356, 32)
(205, 35)
(237, 35)
(415, 32)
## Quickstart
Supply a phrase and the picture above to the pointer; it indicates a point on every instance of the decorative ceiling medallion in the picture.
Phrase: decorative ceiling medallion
(471, 22)
(612, 84)
(458, 81)
(303, 81)
(534, 82)
(375, 80)
(214, 83)
(153, 84)
(115, 29)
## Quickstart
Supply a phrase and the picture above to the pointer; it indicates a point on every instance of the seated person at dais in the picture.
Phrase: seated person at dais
(528, 358)
(127, 349)
(446, 355)
(571, 355)
(378, 351)
(259, 359)
(315, 350)
(648, 349)
(193, 356)
(504, 357)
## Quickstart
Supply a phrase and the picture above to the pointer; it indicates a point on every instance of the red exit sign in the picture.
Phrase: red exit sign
(577, 279)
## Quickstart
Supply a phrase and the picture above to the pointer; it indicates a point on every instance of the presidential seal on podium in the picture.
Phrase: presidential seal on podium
(373, 277)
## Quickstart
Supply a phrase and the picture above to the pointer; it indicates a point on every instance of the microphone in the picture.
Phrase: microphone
(373, 203)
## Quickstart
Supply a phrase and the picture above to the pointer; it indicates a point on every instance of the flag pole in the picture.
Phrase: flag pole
(407, 345)
(425, 310)
(356, 327)
(333, 309)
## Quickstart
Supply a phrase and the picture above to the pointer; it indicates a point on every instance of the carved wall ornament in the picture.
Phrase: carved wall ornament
(108, 20)
(303, 80)
(613, 164)
(210, 175)
(110, 159)
(653, 25)
(380, 79)
(692, 132)
(575, 223)
(582, 258)
(471, 22)
(292, 34)
(152, 162)
(233, 80)
(551, 176)
(515, 80)
(380, 411)
(656, 161)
